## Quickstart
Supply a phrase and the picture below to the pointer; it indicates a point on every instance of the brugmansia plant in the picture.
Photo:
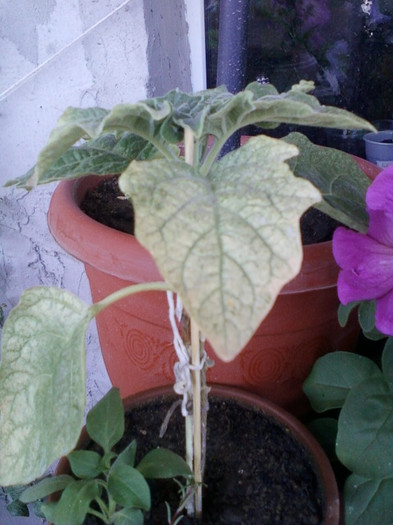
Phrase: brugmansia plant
(224, 233)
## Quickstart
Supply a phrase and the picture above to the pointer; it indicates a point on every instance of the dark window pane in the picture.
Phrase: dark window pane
(344, 46)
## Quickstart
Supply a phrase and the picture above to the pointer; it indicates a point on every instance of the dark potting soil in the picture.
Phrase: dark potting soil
(256, 472)
(106, 204)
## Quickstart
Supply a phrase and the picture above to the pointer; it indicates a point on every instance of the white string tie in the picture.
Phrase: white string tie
(182, 369)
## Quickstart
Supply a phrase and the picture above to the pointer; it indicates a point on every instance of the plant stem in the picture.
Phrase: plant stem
(127, 291)
(189, 150)
(197, 426)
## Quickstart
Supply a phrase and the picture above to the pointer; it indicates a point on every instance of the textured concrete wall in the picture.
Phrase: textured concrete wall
(56, 53)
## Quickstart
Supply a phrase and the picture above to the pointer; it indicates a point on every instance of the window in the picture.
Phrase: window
(344, 46)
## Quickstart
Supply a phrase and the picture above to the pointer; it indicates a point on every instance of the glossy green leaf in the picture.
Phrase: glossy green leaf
(128, 517)
(334, 375)
(368, 501)
(105, 421)
(365, 429)
(128, 487)
(42, 382)
(85, 464)
(162, 463)
(231, 242)
(46, 486)
(127, 456)
(342, 183)
(74, 503)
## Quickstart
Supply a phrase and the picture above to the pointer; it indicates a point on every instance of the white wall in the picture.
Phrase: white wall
(56, 53)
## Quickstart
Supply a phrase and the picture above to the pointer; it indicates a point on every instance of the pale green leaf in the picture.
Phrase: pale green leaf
(42, 382)
(227, 244)
(102, 156)
(365, 429)
(296, 106)
(74, 124)
(334, 375)
(368, 501)
(342, 183)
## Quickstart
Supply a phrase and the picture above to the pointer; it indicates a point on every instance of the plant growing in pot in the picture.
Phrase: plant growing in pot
(135, 333)
(361, 387)
(223, 233)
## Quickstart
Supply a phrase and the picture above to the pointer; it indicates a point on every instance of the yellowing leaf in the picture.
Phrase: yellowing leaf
(42, 382)
(227, 243)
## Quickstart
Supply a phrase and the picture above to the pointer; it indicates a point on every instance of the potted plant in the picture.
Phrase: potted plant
(135, 334)
(223, 233)
(360, 387)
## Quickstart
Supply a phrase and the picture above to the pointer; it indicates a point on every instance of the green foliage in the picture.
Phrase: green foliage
(224, 233)
(116, 491)
(42, 382)
(340, 180)
(240, 222)
(364, 441)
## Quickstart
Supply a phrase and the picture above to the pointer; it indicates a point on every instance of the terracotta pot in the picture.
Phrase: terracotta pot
(135, 335)
(319, 460)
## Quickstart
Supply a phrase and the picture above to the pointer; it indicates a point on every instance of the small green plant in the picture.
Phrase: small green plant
(362, 436)
(107, 485)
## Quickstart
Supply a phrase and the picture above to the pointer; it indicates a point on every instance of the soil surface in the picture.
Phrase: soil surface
(256, 473)
(106, 204)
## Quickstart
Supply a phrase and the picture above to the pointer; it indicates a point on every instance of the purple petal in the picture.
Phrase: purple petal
(367, 266)
(384, 314)
(379, 200)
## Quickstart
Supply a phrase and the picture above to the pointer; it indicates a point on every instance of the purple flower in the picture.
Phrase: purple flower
(366, 260)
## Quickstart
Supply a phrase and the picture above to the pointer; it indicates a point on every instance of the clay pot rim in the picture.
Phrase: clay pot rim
(321, 463)
(89, 241)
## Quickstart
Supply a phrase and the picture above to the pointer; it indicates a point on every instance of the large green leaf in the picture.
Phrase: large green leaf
(342, 183)
(102, 156)
(334, 375)
(226, 244)
(263, 106)
(74, 124)
(42, 382)
(368, 501)
(365, 429)
(211, 112)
